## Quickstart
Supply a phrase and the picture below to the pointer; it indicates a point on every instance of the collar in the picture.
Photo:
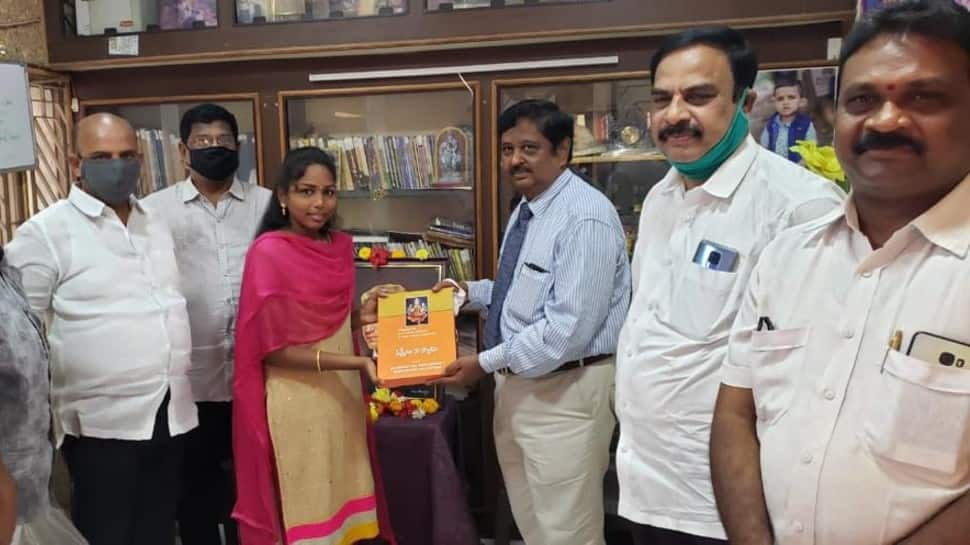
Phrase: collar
(946, 224)
(726, 179)
(92, 207)
(541, 203)
(188, 192)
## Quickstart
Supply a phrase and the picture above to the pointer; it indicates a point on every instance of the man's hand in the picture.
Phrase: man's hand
(449, 284)
(463, 371)
(368, 301)
(463, 286)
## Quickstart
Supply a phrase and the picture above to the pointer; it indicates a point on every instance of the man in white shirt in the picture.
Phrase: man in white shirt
(701, 231)
(102, 272)
(844, 416)
(212, 216)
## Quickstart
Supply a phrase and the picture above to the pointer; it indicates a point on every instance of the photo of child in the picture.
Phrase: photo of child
(793, 105)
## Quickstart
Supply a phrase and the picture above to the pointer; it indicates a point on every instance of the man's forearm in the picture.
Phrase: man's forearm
(951, 526)
(736, 475)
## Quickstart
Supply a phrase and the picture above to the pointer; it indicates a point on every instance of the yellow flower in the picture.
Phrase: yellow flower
(415, 403)
(820, 160)
(364, 253)
(422, 254)
(429, 406)
(375, 412)
(395, 405)
(398, 254)
(381, 395)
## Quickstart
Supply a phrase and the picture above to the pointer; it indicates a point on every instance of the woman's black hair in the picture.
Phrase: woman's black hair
(295, 164)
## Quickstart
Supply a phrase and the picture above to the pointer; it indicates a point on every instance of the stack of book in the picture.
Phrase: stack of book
(459, 254)
(388, 162)
(162, 164)
(450, 232)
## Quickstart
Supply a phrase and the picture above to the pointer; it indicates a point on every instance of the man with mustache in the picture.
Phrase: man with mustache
(701, 231)
(554, 313)
(848, 420)
(101, 270)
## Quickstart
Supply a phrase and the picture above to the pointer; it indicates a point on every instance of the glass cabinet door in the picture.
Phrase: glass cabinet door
(406, 167)
(280, 11)
(454, 5)
(612, 148)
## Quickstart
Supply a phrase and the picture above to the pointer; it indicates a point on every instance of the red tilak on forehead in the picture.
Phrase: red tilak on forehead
(891, 87)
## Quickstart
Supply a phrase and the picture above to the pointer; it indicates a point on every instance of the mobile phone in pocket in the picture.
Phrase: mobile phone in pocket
(716, 257)
(939, 350)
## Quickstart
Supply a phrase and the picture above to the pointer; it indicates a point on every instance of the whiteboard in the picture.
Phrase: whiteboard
(17, 150)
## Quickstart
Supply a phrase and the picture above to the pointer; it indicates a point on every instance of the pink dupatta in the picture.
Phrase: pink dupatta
(295, 290)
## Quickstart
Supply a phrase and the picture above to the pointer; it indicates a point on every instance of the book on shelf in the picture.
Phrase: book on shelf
(385, 162)
(460, 263)
(162, 163)
(458, 252)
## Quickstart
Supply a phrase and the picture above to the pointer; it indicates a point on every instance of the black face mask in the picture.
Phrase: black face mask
(216, 163)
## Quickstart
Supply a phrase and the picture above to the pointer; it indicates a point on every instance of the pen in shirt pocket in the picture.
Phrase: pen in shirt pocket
(764, 322)
(535, 267)
(895, 343)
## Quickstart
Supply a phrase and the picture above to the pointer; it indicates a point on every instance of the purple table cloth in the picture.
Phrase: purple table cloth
(425, 491)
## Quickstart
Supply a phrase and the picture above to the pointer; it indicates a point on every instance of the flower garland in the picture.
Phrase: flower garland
(384, 401)
(378, 256)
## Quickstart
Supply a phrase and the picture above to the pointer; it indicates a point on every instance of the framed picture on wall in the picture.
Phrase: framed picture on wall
(175, 14)
(452, 155)
(792, 105)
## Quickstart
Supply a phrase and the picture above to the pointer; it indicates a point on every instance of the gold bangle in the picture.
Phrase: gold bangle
(318, 361)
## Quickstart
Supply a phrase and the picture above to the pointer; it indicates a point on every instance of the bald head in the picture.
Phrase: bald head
(103, 135)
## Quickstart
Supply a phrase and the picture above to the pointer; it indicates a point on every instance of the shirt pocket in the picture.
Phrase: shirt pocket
(776, 361)
(699, 300)
(919, 415)
(528, 293)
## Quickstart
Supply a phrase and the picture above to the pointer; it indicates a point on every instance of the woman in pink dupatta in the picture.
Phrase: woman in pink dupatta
(303, 448)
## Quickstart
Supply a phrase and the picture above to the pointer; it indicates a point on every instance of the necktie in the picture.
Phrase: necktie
(506, 269)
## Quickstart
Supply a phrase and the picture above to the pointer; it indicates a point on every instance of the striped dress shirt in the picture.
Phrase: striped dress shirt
(571, 289)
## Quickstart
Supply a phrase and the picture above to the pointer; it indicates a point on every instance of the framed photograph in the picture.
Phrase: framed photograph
(453, 159)
(175, 14)
(792, 105)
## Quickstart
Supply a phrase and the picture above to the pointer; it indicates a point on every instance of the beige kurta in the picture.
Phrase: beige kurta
(318, 424)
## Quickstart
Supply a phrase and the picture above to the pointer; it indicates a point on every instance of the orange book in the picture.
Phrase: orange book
(415, 336)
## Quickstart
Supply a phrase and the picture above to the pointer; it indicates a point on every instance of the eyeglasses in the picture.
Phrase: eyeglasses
(206, 141)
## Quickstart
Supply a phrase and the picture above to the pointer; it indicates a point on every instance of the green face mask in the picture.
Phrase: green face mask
(704, 166)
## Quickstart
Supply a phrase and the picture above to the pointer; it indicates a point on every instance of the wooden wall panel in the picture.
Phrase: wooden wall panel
(418, 30)
(22, 31)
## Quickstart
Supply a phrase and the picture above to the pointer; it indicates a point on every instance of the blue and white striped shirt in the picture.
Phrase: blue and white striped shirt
(570, 301)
